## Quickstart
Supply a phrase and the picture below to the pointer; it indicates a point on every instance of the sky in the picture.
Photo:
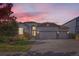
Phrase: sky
(59, 13)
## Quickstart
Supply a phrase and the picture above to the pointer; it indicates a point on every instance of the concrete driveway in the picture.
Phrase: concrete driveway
(65, 45)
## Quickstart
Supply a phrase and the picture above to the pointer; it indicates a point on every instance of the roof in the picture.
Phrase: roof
(45, 24)
(64, 28)
(30, 22)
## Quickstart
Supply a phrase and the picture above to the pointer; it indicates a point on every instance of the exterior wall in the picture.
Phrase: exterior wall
(77, 25)
(71, 25)
(29, 27)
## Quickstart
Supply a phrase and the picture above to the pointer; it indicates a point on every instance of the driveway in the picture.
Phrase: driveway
(65, 45)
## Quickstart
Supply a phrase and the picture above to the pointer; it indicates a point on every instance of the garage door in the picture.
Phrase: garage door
(63, 35)
(47, 35)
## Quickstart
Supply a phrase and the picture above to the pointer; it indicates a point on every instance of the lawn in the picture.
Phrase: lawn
(20, 46)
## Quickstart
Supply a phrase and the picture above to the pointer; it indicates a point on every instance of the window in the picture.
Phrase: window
(33, 28)
(20, 31)
(34, 32)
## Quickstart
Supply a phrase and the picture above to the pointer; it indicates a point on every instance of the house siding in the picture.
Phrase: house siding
(77, 26)
(71, 25)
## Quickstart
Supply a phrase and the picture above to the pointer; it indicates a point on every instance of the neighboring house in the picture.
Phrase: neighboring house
(73, 25)
(45, 30)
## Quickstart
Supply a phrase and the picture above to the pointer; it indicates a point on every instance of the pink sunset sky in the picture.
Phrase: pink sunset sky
(59, 13)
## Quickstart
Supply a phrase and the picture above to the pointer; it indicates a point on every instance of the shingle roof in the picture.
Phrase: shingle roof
(48, 24)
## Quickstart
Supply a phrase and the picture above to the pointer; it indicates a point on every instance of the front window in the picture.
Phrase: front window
(33, 28)
(34, 32)
(20, 31)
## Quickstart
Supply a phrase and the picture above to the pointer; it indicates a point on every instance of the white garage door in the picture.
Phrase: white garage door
(47, 35)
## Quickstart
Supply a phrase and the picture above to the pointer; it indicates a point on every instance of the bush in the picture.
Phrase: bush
(25, 36)
(3, 39)
(7, 39)
(72, 36)
(21, 39)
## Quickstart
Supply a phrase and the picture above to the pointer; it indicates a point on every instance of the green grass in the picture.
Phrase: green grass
(19, 46)
(14, 48)
(23, 42)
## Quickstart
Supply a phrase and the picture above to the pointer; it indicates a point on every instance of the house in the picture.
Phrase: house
(49, 30)
(46, 30)
(73, 25)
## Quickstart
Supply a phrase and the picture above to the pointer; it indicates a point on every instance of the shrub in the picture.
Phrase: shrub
(72, 36)
(22, 42)
(25, 36)
(3, 39)
(7, 39)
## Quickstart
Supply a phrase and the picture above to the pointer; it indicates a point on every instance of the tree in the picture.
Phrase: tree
(8, 24)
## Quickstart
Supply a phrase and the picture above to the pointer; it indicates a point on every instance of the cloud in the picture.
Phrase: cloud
(43, 12)
(25, 17)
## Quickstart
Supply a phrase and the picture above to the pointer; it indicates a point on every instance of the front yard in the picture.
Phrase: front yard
(21, 45)
(14, 48)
